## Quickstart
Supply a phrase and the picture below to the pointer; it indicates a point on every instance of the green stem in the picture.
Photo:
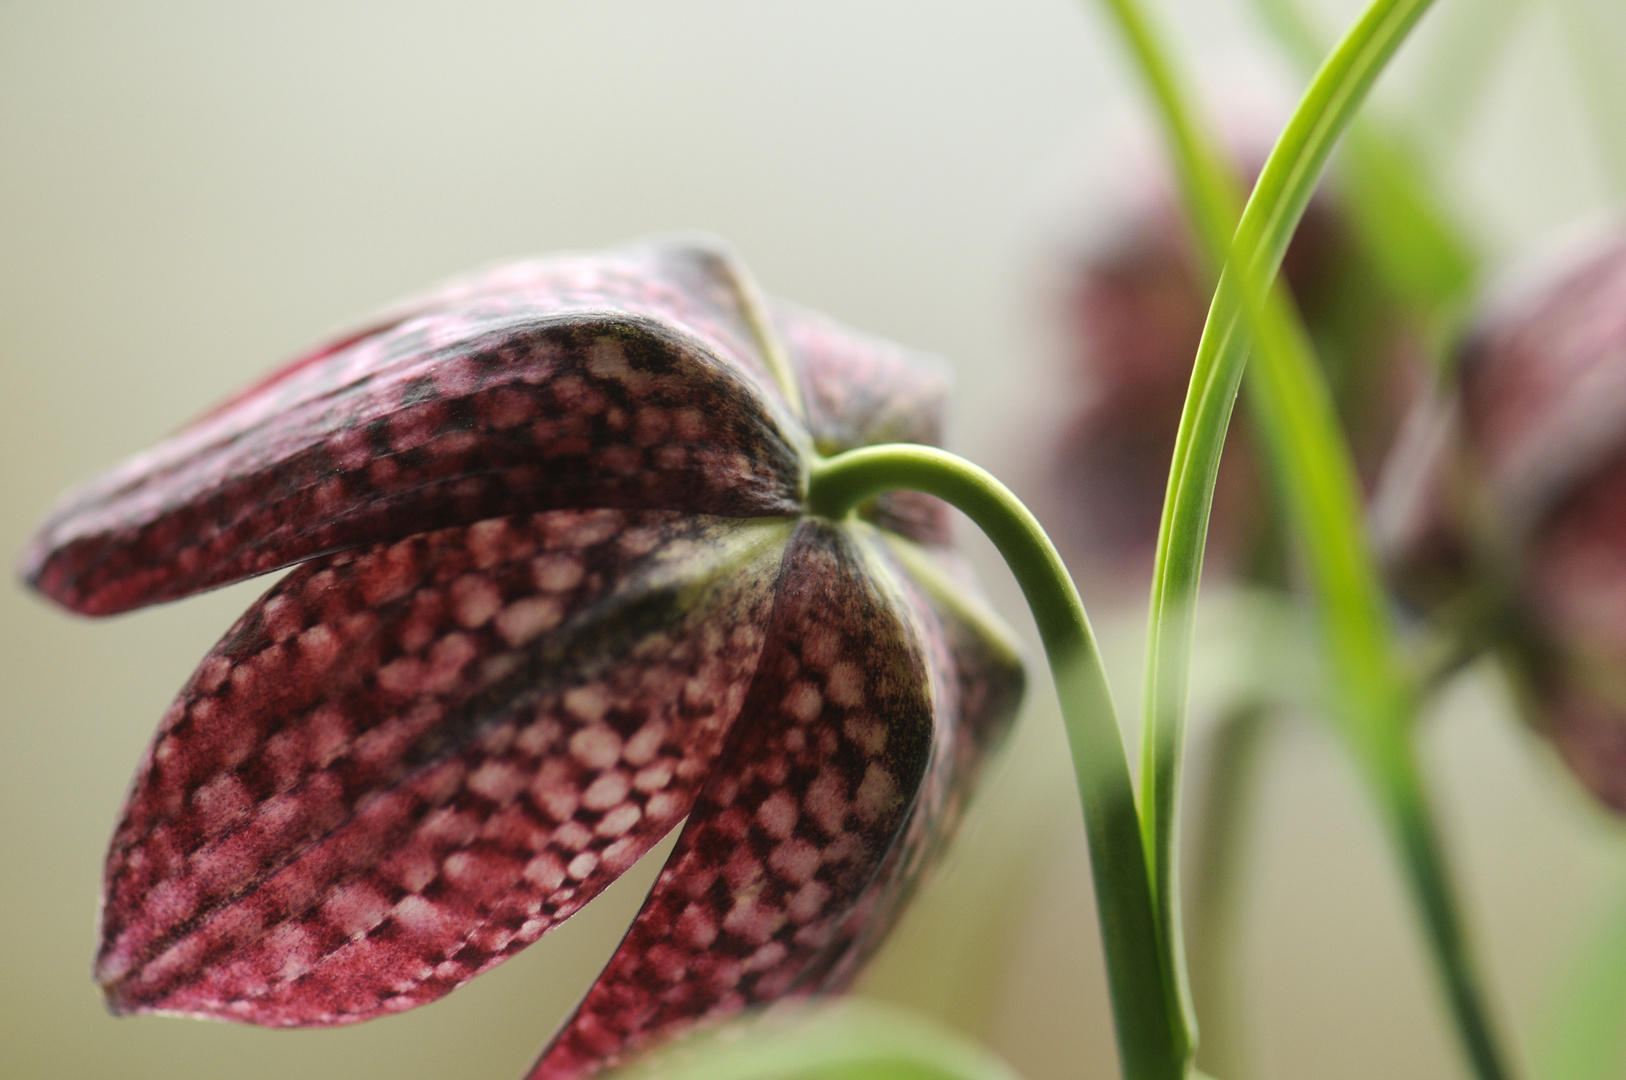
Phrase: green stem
(1211, 200)
(1583, 1038)
(1375, 699)
(1398, 782)
(1314, 474)
(1418, 250)
(1152, 1039)
(1593, 35)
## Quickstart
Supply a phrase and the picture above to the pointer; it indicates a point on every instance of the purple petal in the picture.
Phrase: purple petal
(803, 806)
(860, 391)
(977, 669)
(407, 762)
(629, 380)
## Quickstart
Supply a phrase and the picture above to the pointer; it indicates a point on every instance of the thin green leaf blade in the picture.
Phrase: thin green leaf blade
(1585, 1037)
(854, 1039)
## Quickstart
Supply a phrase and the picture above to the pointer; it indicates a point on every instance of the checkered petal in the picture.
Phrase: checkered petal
(410, 760)
(804, 805)
(631, 380)
(862, 391)
(977, 670)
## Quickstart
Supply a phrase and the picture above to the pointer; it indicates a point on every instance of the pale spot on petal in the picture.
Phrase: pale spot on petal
(795, 860)
(497, 780)
(752, 922)
(845, 684)
(877, 795)
(475, 600)
(826, 801)
(556, 572)
(525, 619)
(809, 901)
(777, 814)
(596, 747)
(619, 820)
(803, 702)
(589, 703)
(869, 734)
(546, 871)
(608, 790)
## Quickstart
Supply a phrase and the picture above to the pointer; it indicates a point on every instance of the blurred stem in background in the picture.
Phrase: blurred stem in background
(1458, 68)
(1373, 699)
(1418, 249)
(1593, 31)
(1584, 1038)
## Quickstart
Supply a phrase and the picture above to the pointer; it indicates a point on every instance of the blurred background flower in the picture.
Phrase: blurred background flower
(1513, 512)
(1132, 309)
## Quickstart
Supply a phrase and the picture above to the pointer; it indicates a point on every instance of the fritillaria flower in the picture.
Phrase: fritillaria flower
(1508, 507)
(557, 590)
(1132, 308)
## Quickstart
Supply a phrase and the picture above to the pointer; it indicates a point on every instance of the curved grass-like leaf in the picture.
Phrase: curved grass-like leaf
(1373, 698)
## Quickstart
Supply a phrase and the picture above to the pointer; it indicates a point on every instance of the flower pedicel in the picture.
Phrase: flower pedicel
(558, 590)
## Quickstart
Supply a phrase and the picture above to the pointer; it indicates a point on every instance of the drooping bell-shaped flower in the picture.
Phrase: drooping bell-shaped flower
(1508, 508)
(558, 591)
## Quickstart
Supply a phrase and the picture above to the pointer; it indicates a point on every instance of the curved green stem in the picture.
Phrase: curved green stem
(1250, 259)
(1311, 463)
(1583, 1038)
(1153, 1041)
(1212, 202)
(1391, 199)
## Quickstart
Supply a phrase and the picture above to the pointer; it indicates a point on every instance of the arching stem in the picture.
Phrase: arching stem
(1152, 1039)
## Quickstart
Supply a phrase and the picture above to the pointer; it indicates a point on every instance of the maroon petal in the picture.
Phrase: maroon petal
(630, 380)
(977, 670)
(861, 391)
(698, 286)
(802, 809)
(1543, 387)
(1589, 732)
(407, 762)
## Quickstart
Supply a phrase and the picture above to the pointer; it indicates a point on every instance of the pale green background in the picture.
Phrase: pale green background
(191, 191)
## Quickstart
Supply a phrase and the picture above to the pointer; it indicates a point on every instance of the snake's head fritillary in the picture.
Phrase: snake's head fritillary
(1515, 491)
(557, 591)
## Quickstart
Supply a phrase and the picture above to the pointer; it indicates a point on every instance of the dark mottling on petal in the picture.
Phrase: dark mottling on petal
(384, 453)
(356, 805)
(860, 391)
(803, 807)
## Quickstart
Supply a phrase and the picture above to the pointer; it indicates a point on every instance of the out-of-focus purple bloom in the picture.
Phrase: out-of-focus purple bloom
(1133, 309)
(1510, 505)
